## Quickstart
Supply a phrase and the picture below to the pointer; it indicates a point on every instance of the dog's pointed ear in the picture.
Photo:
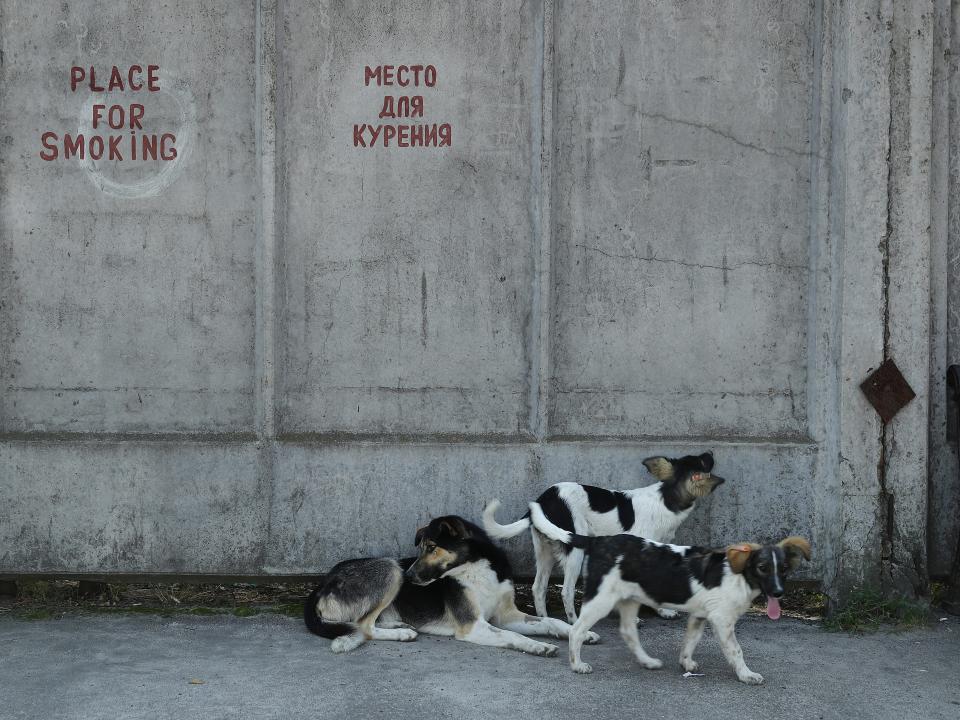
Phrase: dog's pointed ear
(454, 527)
(795, 548)
(419, 536)
(707, 461)
(738, 555)
(659, 467)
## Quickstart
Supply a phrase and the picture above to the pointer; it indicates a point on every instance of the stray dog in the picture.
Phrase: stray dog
(460, 584)
(654, 511)
(625, 572)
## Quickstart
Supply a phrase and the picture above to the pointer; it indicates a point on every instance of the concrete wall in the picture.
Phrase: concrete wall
(944, 477)
(660, 227)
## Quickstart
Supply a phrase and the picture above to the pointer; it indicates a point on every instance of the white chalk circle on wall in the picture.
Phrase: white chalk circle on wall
(96, 170)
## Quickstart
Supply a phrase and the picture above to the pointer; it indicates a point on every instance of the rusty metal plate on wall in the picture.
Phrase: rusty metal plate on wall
(887, 390)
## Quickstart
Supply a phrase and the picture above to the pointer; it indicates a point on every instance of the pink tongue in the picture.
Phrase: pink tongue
(773, 608)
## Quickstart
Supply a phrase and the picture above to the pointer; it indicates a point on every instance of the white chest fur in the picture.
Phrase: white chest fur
(481, 585)
(653, 519)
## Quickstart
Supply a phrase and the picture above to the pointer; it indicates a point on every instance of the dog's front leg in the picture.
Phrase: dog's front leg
(483, 633)
(724, 627)
(695, 627)
(515, 621)
(592, 612)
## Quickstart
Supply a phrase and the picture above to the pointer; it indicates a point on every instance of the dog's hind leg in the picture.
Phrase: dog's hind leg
(628, 631)
(571, 573)
(592, 612)
(403, 634)
(724, 628)
(695, 627)
(394, 625)
(390, 620)
(346, 643)
(366, 626)
(543, 554)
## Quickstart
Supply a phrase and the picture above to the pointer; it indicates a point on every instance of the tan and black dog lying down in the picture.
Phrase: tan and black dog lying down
(460, 584)
(625, 572)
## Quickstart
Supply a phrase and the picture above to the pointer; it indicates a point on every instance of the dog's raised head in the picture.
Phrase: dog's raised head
(765, 567)
(443, 544)
(687, 478)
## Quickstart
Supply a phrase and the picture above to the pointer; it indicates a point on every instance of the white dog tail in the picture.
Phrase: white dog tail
(495, 529)
(553, 532)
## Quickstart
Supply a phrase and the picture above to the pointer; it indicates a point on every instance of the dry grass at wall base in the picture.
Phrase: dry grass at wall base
(51, 598)
(868, 610)
(46, 599)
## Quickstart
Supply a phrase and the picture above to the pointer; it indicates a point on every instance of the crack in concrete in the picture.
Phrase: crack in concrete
(700, 266)
(729, 136)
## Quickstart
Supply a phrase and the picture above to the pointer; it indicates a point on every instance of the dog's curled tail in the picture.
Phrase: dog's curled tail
(317, 625)
(498, 531)
(553, 532)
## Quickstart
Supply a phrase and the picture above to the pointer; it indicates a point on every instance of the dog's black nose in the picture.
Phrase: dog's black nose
(777, 593)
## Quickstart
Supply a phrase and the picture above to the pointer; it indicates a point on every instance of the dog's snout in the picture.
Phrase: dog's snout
(717, 480)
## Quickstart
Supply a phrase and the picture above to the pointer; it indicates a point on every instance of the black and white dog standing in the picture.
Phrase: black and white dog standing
(624, 572)
(654, 511)
(460, 584)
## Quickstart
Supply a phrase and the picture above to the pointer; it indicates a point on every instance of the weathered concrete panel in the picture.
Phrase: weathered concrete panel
(682, 218)
(407, 272)
(944, 485)
(131, 507)
(126, 287)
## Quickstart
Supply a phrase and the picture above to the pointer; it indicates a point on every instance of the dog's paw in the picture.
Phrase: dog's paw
(592, 638)
(546, 650)
(346, 643)
(667, 613)
(406, 634)
(581, 667)
(652, 663)
(750, 678)
(689, 664)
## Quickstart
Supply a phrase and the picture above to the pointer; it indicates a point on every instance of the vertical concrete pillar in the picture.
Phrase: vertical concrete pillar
(903, 484)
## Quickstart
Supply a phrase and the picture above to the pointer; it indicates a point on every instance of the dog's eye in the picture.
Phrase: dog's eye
(763, 568)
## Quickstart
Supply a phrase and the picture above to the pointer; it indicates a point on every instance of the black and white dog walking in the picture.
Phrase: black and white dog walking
(460, 584)
(654, 511)
(624, 572)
